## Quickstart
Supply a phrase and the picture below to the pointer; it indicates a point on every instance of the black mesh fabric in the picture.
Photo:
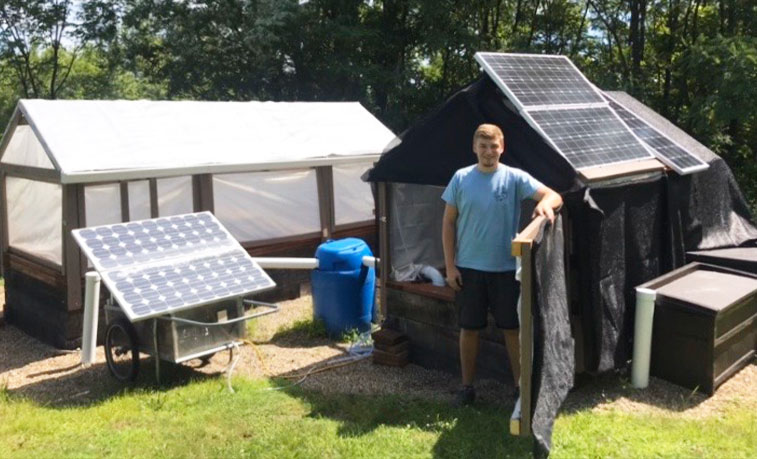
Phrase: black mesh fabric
(554, 348)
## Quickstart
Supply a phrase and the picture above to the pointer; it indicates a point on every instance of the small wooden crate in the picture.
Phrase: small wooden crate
(705, 325)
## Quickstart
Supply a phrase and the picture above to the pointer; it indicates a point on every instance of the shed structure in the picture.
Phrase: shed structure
(622, 224)
(281, 177)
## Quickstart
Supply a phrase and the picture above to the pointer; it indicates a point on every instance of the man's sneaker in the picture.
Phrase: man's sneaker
(466, 396)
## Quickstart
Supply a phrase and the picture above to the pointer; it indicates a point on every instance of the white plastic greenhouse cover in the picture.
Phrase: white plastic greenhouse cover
(116, 140)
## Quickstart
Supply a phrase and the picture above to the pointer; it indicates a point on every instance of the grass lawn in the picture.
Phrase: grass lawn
(202, 419)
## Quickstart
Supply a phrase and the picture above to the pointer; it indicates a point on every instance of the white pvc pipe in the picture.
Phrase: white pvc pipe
(287, 263)
(370, 262)
(91, 308)
(642, 337)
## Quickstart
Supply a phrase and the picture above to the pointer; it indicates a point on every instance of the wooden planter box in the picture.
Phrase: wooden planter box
(705, 325)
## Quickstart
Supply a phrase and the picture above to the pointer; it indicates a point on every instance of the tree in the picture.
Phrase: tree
(32, 36)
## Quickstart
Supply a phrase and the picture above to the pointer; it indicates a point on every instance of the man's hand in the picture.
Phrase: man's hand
(549, 200)
(544, 209)
(454, 279)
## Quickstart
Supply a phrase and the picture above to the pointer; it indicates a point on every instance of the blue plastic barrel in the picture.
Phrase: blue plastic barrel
(343, 288)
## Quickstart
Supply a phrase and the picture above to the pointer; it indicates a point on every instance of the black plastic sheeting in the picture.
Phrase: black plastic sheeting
(433, 149)
(554, 348)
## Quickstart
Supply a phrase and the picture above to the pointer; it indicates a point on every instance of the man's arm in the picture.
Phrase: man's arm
(549, 201)
(449, 230)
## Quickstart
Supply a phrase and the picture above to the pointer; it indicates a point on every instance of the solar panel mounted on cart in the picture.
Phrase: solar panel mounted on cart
(163, 265)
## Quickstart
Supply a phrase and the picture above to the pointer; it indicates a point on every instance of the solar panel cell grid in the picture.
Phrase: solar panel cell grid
(541, 80)
(158, 266)
(589, 136)
(665, 147)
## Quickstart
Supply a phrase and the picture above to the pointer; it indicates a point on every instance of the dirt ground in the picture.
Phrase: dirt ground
(41, 373)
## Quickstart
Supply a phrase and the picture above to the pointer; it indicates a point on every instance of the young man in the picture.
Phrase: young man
(480, 221)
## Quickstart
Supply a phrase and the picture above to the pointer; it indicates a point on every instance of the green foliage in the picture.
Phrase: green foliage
(310, 328)
(694, 62)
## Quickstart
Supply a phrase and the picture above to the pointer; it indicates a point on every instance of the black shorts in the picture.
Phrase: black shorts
(486, 291)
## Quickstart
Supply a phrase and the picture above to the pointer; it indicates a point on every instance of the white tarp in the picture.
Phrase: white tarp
(264, 205)
(102, 204)
(353, 200)
(105, 140)
(139, 200)
(174, 196)
(35, 217)
(25, 150)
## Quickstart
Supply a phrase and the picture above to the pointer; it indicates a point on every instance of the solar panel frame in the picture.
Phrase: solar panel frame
(530, 112)
(575, 146)
(170, 264)
(485, 59)
(636, 124)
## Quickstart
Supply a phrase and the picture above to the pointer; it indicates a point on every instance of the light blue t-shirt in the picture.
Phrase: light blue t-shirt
(488, 207)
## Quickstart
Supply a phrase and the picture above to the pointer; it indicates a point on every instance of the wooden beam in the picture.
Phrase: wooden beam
(324, 176)
(153, 197)
(527, 236)
(32, 173)
(14, 121)
(124, 186)
(597, 173)
(521, 247)
(35, 267)
(385, 263)
(4, 242)
(71, 254)
(202, 190)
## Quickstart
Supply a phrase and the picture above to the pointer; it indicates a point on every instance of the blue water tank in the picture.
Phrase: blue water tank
(343, 288)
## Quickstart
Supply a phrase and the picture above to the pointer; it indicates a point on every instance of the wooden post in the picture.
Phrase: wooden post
(202, 190)
(521, 247)
(383, 222)
(72, 264)
(124, 201)
(153, 198)
(4, 224)
(324, 176)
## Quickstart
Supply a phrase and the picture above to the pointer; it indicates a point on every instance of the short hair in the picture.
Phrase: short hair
(489, 131)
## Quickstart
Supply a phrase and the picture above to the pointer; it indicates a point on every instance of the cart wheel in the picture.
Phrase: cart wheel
(121, 351)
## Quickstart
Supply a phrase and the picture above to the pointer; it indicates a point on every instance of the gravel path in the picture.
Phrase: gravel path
(46, 375)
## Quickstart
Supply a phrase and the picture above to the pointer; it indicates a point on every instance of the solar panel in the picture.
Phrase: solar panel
(589, 136)
(663, 147)
(163, 265)
(538, 80)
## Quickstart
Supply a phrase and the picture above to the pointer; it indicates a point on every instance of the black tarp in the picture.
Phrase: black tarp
(622, 233)
(433, 149)
(554, 347)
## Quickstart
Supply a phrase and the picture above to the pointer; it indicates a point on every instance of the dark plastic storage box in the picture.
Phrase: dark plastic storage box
(705, 325)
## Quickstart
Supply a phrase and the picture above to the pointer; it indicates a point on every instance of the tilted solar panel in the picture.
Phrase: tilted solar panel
(664, 148)
(589, 136)
(163, 265)
(538, 80)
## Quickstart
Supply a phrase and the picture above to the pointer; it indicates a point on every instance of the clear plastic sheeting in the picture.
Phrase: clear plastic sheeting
(102, 204)
(24, 149)
(415, 235)
(102, 140)
(139, 200)
(265, 205)
(353, 200)
(175, 196)
(35, 217)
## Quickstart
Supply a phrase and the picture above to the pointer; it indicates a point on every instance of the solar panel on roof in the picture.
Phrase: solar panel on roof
(589, 136)
(565, 108)
(663, 147)
(537, 80)
(168, 264)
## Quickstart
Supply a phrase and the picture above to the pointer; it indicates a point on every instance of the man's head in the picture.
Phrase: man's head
(488, 145)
